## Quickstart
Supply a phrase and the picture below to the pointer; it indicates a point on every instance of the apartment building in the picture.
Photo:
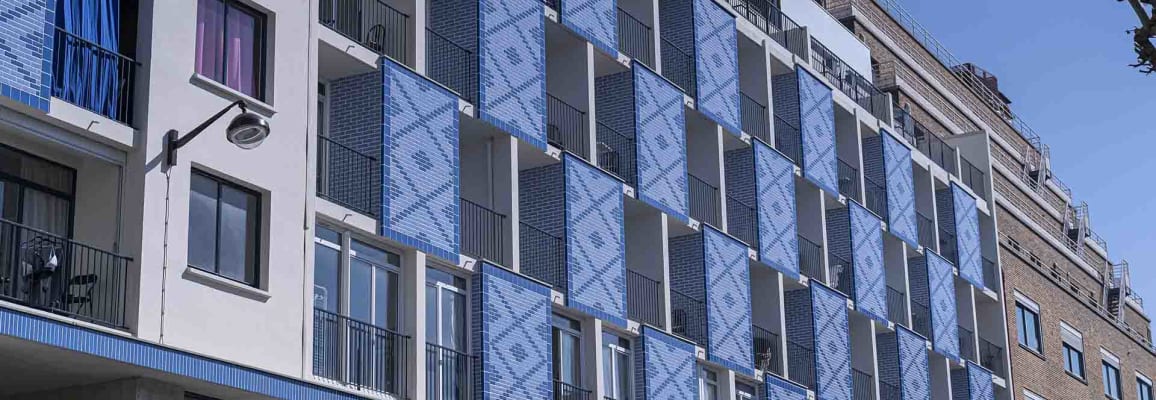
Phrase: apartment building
(501, 199)
(1080, 330)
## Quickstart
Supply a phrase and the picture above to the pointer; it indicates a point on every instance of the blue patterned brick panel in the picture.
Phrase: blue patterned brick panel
(512, 67)
(419, 163)
(775, 388)
(944, 324)
(900, 180)
(595, 242)
(26, 46)
(665, 367)
(596, 20)
(717, 64)
(914, 368)
(832, 344)
(969, 255)
(817, 125)
(728, 298)
(661, 142)
(867, 259)
(979, 383)
(511, 336)
(778, 225)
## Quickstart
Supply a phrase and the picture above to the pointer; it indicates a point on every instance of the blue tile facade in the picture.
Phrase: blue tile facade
(26, 46)
(971, 383)
(944, 320)
(778, 224)
(832, 344)
(717, 64)
(510, 336)
(595, 20)
(595, 242)
(728, 301)
(969, 257)
(665, 367)
(775, 388)
(914, 368)
(419, 154)
(512, 68)
(661, 142)
(900, 180)
(867, 259)
(817, 126)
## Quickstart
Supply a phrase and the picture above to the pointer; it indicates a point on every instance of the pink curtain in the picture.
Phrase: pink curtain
(226, 45)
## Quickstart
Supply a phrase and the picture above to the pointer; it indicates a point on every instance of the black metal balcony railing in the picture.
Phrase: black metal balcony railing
(93, 77)
(973, 177)
(688, 317)
(896, 306)
(555, 4)
(888, 391)
(704, 201)
(635, 38)
(346, 176)
(483, 232)
(876, 194)
(848, 180)
(643, 299)
(991, 357)
(862, 385)
(926, 142)
(452, 65)
(566, 391)
(905, 125)
(920, 318)
(374, 24)
(810, 259)
(358, 354)
(842, 274)
(742, 221)
(766, 347)
(449, 373)
(678, 67)
(966, 344)
(947, 245)
(801, 364)
(53, 273)
(926, 228)
(756, 122)
(788, 140)
(566, 127)
(617, 154)
(848, 81)
(990, 273)
(543, 256)
(768, 18)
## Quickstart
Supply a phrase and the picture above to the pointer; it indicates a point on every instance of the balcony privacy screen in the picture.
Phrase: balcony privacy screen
(817, 123)
(660, 128)
(944, 320)
(595, 20)
(900, 190)
(716, 54)
(762, 178)
(781, 389)
(510, 335)
(972, 383)
(728, 301)
(832, 335)
(867, 262)
(667, 366)
(596, 242)
(419, 154)
(903, 363)
(25, 75)
(89, 83)
(969, 258)
(512, 89)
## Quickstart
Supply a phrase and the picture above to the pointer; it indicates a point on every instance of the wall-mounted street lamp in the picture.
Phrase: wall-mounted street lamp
(247, 131)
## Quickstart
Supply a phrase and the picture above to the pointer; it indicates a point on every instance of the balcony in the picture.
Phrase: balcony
(742, 221)
(449, 373)
(991, 357)
(62, 276)
(678, 66)
(766, 347)
(789, 140)
(635, 38)
(372, 23)
(483, 232)
(851, 83)
(842, 274)
(947, 245)
(93, 77)
(801, 364)
(896, 306)
(643, 298)
(769, 19)
(566, 391)
(862, 385)
(966, 343)
(810, 259)
(973, 177)
(359, 355)
(347, 177)
(920, 318)
(876, 194)
(452, 64)
(688, 317)
(566, 127)
(617, 154)
(888, 391)
(755, 118)
(848, 180)
(543, 256)
(926, 228)
(704, 202)
(990, 273)
(926, 142)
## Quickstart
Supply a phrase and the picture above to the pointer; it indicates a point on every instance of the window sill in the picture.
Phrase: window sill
(228, 93)
(1076, 377)
(224, 284)
(1032, 351)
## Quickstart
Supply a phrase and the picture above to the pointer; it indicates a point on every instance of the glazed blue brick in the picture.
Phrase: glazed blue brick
(901, 218)
(832, 336)
(867, 260)
(512, 68)
(817, 125)
(728, 301)
(914, 367)
(511, 336)
(596, 20)
(944, 320)
(776, 388)
(717, 64)
(595, 242)
(665, 367)
(778, 225)
(419, 153)
(26, 47)
(969, 257)
(661, 143)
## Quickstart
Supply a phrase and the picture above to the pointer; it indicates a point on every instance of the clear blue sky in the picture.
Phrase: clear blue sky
(1064, 66)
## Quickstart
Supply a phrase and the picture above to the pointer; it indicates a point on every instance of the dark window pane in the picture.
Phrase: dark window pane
(203, 223)
(361, 290)
(211, 39)
(326, 278)
(237, 258)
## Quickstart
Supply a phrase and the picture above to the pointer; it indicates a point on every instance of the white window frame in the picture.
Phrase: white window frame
(347, 254)
(1141, 378)
(612, 379)
(1029, 395)
(705, 381)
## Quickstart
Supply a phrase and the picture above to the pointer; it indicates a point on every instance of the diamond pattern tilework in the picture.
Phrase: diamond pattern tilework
(717, 64)
(817, 123)
(661, 143)
(900, 190)
(832, 344)
(511, 336)
(26, 46)
(944, 324)
(967, 236)
(596, 20)
(728, 298)
(512, 54)
(419, 163)
(778, 227)
(595, 241)
(776, 388)
(867, 258)
(979, 383)
(665, 367)
(913, 365)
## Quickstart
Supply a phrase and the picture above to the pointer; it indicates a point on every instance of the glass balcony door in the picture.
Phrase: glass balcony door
(447, 354)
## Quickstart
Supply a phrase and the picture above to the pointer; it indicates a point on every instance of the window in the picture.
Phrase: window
(1028, 324)
(1111, 380)
(616, 367)
(744, 391)
(447, 354)
(1073, 350)
(567, 338)
(1028, 395)
(231, 45)
(707, 384)
(35, 192)
(1143, 388)
(224, 229)
(368, 291)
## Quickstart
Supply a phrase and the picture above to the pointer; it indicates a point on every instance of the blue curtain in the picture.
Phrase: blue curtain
(88, 71)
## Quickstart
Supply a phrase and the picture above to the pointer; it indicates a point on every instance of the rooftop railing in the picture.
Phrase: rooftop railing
(643, 298)
(372, 23)
(768, 18)
(849, 81)
(358, 354)
(93, 77)
(566, 127)
(635, 38)
(483, 232)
